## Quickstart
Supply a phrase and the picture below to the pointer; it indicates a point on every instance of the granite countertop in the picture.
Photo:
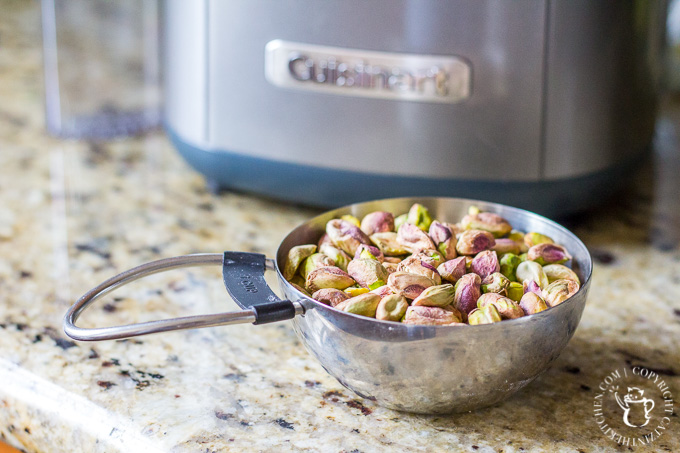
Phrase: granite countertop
(74, 213)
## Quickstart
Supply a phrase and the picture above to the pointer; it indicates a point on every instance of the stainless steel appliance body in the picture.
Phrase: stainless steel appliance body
(533, 103)
(425, 369)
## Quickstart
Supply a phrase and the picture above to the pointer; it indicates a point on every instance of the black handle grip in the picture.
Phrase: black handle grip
(243, 275)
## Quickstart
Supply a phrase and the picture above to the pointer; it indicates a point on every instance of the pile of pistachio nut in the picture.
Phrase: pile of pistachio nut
(416, 270)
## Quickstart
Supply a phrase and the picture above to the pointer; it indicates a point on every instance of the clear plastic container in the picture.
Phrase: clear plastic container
(673, 49)
(102, 67)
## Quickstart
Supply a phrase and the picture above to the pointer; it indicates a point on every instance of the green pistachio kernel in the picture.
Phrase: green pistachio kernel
(376, 284)
(399, 221)
(419, 216)
(515, 291)
(532, 238)
(355, 290)
(350, 218)
(516, 235)
(296, 256)
(509, 263)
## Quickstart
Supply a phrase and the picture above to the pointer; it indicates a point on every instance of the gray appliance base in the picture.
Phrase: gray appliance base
(323, 187)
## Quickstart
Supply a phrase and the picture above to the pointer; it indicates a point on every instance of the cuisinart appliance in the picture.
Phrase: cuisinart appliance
(543, 104)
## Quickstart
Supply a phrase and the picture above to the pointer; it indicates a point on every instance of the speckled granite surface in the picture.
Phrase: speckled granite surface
(73, 214)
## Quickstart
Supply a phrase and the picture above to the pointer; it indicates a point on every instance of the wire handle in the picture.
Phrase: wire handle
(248, 315)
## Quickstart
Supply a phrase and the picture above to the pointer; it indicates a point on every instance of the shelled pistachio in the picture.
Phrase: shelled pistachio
(505, 245)
(388, 244)
(452, 270)
(507, 308)
(515, 291)
(340, 258)
(377, 222)
(486, 315)
(466, 292)
(365, 251)
(419, 216)
(355, 290)
(391, 308)
(313, 262)
(435, 296)
(417, 264)
(496, 283)
(560, 272)
(485, 263)
(533, 238)
(408, 285)
(559, 291)
(487, 221)
(508, 266)
(328, 277)
(399, 221)
(330, 296)
(548, 254)
(531, 270)
(419, 270)
(532, 303)
(368, 273)
(414, 239)
(364, 304)
(296, 255)
(444, 239)
(351, 219)
(346, 235)
(432, 316)
(471, 242)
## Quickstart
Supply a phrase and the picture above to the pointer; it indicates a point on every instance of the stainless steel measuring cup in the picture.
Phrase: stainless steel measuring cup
(413, 368)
